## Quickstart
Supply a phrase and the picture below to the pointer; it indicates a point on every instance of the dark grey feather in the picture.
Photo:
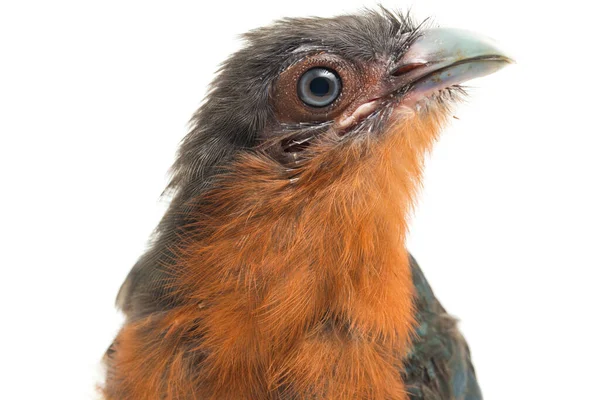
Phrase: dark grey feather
(439, 365)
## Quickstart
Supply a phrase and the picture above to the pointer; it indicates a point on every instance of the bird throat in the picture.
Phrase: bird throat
(296, 284)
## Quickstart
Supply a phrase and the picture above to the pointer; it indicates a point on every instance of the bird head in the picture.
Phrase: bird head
(311, 95)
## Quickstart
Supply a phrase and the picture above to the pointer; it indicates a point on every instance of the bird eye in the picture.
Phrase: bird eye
(316, 88)
(319, 87)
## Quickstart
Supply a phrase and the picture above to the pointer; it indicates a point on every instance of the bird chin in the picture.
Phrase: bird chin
(404, 107)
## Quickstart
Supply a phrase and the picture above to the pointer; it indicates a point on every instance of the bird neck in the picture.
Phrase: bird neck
(306, 271)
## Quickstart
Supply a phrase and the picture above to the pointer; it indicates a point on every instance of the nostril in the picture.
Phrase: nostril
(404, 68)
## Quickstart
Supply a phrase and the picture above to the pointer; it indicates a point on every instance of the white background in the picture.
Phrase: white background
(95, 96)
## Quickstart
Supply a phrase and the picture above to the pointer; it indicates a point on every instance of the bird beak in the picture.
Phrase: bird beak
(441, 58)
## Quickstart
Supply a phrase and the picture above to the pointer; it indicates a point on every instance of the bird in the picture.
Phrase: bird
(280, 269)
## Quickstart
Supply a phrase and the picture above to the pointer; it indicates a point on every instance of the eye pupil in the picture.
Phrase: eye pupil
(319, 87)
